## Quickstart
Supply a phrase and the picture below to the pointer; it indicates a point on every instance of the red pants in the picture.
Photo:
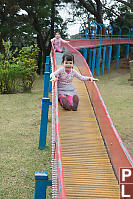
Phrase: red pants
(58, 50)
(69, 98)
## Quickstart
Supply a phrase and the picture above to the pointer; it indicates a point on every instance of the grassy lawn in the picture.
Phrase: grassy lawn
(117, 94)
(19, 134)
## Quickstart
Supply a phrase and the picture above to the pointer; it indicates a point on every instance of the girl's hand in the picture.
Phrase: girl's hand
(53, 78)
(93, 79)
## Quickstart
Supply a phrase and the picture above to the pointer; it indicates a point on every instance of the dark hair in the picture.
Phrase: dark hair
(57, 32)
(68, 57)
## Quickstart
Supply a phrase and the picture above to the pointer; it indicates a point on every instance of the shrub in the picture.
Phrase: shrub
(17, 68)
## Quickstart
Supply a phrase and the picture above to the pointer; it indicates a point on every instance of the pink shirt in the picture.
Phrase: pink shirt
(67, 78)
(57, 42)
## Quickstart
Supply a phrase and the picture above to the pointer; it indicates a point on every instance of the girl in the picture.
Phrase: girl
(57, 42)
(67, 94)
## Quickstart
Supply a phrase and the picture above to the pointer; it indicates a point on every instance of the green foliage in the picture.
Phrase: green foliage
(124, 18)
(17, 68)
(124, 21)
(28, 22)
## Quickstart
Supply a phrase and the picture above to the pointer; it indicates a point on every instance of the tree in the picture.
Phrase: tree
(128, 3)
(99, 9)
(7, 20)
(28, 22)
(17, 68)
(94, 8)
(125, 19)
(38, 15)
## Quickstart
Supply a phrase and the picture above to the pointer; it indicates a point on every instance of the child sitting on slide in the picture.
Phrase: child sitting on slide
(67, 94)
(57, 42)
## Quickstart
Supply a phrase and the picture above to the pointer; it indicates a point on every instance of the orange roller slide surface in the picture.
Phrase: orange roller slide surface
(87, 169)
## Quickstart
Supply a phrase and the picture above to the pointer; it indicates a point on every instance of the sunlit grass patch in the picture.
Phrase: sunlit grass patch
(117, 94)
(19, 133)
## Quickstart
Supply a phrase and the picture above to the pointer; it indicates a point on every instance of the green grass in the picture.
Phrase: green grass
(19, 134)
(117, 94)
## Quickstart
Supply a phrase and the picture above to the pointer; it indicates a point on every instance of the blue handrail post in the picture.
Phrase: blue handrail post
(46, 84)
(46, 77)
(41, 183)
(90, 58)
(128, 45)
(98, 56)
(44, 121)
(107, 56)
(104, 50)
(93, 61)
(47, 59)
(110, 33)
(117, 55)
(109, 59)
(98, 60)
(48, 68)
(103, 62)
(85, 53)
(117, 46)
(50, 83)
(45, 106)
(127, 50)
(47, 64)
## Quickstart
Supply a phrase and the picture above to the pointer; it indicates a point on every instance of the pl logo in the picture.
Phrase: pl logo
(126, 183)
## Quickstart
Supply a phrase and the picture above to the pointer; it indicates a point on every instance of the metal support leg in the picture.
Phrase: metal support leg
(98, 61)
(45, 107)
(46, 84)
(107, 57)
(103, 62)
(85, 53)
(90, 58)
(117, 55)
(127, 50)
(109, 60)
(44, 121)
(47, 59)
(93, 61)
(50, 82)
(41, 183)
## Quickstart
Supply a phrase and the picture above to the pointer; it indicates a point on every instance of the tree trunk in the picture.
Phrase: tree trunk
(2, 35)
(39, 57)
(40, 40)
(52, 18)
